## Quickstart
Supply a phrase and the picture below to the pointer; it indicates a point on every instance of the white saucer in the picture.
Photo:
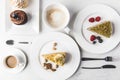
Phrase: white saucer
(8, 51)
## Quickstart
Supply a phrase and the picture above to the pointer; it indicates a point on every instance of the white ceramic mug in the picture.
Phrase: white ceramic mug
(19, 61)
(56, 16)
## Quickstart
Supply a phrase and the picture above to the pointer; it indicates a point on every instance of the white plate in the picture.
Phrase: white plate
(32, 25)
(43, 44)
(7, 51)
(82, 34)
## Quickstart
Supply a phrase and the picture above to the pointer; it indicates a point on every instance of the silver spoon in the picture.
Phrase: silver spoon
(12, 42)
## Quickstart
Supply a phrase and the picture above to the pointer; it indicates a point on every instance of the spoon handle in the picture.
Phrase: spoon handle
(23, 42)
(87, 59)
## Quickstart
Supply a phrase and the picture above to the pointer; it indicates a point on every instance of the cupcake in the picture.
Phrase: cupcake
(19, 3)
(18, 17)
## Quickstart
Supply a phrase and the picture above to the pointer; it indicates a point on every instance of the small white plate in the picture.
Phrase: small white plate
(31, 27)
(8, 51)
(83, 35)
(43, 44)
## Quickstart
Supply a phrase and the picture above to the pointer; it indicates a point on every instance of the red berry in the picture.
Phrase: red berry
(92, 38)
(98, 18)
(91, 20)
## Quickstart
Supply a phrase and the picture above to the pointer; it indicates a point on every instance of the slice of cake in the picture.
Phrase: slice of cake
(104, 29)
(58, 57)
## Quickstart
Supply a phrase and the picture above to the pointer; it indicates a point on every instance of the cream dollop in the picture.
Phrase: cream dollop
(19, 3)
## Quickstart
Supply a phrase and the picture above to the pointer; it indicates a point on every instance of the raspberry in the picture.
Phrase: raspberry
(91, 20)
(98, 18)
(92, 38)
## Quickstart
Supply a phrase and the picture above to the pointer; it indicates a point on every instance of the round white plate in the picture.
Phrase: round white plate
(44, 44)
(82, 35)
(8, 51)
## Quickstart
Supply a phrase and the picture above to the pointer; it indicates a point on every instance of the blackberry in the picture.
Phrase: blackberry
(98, 37)
(100, 41)
(94, 42)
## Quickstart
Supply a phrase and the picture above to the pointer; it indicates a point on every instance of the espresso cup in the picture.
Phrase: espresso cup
(13, 61)
(56, 16)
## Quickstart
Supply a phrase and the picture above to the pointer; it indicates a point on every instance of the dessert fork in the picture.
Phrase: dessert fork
(108, 58)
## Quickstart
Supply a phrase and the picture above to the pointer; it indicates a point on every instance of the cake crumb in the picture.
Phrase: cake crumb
(55, 44)
(54, 48)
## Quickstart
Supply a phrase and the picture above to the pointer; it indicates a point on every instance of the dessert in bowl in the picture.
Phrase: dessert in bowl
(18, 17)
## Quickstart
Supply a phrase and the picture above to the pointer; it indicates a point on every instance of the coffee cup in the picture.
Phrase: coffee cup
(56, 16)
(13, 61)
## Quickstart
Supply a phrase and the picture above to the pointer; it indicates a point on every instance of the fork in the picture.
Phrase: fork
(108, 58)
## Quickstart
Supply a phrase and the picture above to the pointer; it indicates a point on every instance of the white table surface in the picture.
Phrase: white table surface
(74, 7)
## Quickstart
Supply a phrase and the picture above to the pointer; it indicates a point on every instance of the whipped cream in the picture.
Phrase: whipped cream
(20, 3)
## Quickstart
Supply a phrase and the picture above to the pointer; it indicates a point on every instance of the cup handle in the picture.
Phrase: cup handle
(67, 30)
(21, 64)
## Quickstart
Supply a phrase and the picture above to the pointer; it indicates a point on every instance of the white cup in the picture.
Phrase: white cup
(59, 16)
(18, 62)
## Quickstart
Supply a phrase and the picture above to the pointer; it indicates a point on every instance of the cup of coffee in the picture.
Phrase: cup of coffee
(56, 16)
(13, 61)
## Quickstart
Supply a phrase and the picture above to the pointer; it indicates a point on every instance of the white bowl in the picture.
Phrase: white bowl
(61, 8)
